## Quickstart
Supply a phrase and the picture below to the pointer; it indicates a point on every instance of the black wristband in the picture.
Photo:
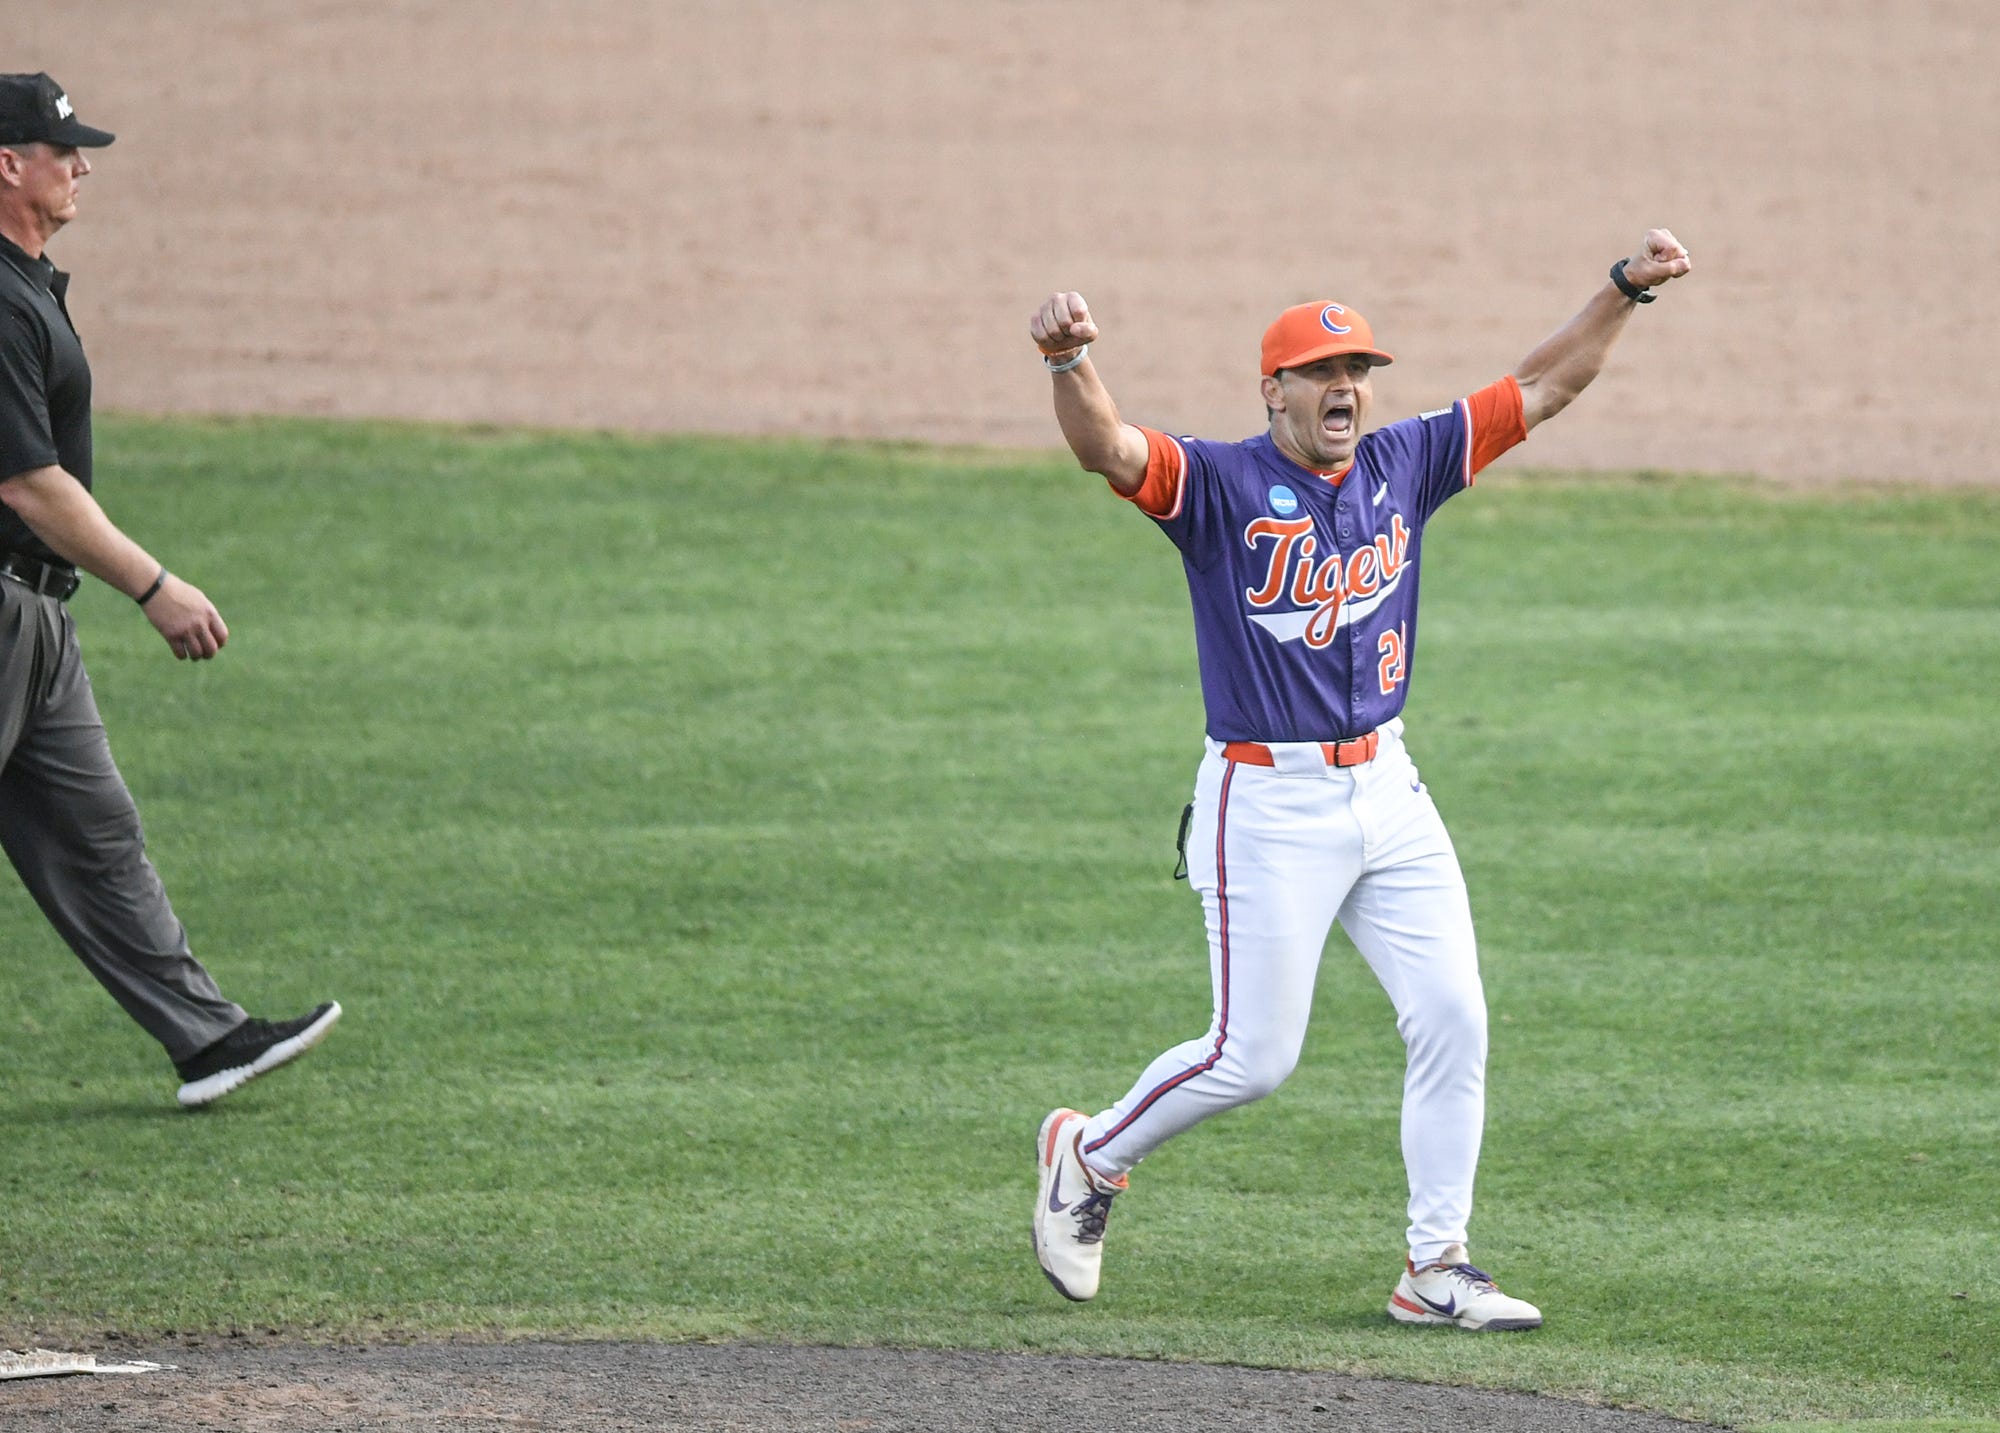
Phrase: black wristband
(1626, 287)
(154, 591)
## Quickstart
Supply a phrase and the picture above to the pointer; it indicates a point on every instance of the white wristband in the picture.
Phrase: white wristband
(1068, 363)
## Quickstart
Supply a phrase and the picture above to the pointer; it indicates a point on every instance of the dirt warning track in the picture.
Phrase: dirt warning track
(753, 216)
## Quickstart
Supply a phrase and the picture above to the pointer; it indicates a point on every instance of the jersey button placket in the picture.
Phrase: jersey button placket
(1344, 526)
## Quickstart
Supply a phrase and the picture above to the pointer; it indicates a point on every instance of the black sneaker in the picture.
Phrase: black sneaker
(253, 1048)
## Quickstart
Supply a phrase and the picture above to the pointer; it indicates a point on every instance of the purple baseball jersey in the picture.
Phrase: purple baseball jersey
(1304, 584)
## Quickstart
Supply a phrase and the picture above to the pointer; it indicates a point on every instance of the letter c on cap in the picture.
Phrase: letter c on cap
(1326, 321)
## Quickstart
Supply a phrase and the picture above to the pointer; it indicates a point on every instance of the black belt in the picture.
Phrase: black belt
(46, 578)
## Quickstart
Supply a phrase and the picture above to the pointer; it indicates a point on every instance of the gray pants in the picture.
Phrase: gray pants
(69, 826)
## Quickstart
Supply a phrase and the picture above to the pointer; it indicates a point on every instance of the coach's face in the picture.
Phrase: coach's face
(46, 177)
(1318, 409)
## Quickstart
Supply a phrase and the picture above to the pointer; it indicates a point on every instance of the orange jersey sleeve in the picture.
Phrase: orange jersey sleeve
(1497, 422)
(1160, 491)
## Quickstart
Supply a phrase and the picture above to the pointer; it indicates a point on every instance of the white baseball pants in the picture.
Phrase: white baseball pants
(1278, 853)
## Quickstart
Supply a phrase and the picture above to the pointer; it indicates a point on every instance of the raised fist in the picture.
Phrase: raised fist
(1661, 257)
(1062, 325)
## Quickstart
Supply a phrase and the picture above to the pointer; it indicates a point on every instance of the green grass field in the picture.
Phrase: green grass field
(727, 853)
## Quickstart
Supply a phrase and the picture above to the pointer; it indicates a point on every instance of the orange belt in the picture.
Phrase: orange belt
(1338, 753)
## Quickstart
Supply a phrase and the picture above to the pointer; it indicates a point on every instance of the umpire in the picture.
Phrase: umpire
(66, 820)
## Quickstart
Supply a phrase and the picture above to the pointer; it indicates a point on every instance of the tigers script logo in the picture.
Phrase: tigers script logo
(1328, 592)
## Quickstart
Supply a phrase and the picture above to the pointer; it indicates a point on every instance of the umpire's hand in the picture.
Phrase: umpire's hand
(187, 620)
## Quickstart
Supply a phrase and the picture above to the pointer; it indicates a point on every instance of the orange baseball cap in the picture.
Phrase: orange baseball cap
(1305, 333)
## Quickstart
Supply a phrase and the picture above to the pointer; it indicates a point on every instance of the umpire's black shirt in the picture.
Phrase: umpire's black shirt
(44, 385)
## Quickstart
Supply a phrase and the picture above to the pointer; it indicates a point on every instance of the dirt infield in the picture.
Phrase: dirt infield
(692, 1388)
(819, 217)
(780, 216)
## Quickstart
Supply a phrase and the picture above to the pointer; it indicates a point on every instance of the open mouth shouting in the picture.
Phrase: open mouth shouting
(1337, 419)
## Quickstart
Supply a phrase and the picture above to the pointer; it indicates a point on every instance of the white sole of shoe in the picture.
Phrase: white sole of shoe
(210, 1088)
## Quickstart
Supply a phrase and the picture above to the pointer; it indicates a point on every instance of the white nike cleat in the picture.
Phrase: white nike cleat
(1451, 1291)
(1070, 1207)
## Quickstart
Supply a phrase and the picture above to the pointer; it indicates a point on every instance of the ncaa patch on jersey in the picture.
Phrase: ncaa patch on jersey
(1284, 502)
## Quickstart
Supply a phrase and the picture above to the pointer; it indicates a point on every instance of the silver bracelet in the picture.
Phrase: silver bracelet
(1068, 363)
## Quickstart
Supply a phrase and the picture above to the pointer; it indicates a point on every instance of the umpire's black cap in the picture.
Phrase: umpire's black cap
(34, 110)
